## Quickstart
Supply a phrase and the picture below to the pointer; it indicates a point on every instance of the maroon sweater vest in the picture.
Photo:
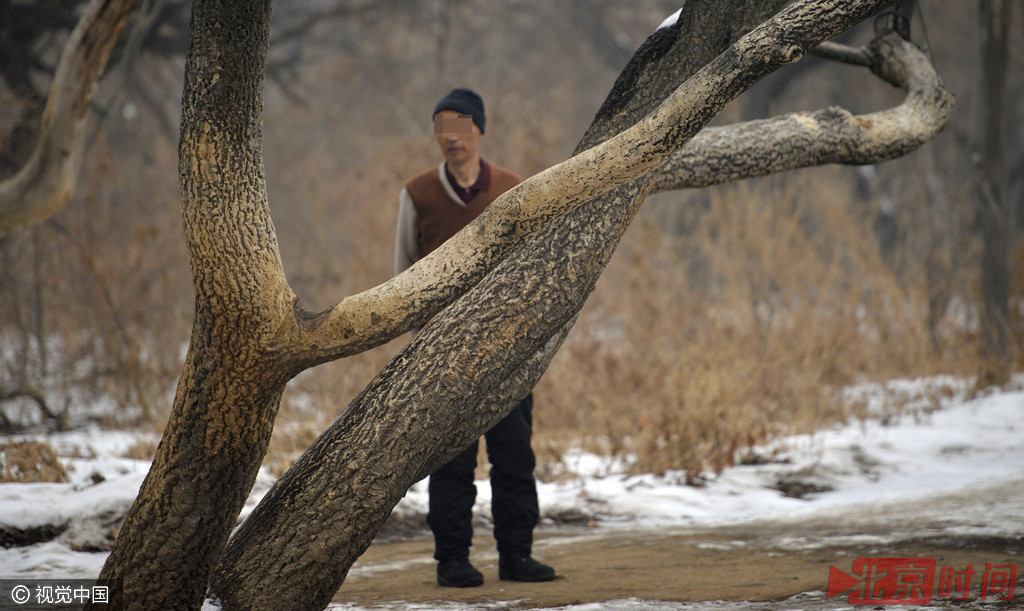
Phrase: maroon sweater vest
(439, 217)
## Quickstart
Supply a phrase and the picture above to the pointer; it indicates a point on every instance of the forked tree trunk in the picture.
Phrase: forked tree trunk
(241, 352)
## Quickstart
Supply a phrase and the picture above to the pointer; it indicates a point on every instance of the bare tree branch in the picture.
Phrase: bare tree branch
(831, 135)
(46, 183)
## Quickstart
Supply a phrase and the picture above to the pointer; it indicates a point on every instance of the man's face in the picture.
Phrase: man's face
(457, 135)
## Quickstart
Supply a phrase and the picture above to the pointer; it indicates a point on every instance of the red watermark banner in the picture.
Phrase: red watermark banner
(919, 581)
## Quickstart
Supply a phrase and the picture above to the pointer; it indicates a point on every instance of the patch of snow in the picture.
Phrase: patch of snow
(671, 20)
(952, 446)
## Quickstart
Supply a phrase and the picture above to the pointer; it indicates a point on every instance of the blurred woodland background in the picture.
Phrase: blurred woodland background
(728, 315)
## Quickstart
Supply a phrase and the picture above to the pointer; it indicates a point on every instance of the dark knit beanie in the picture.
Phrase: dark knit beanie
(465, 101)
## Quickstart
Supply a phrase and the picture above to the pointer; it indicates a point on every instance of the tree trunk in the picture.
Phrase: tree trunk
(231, 385)
(995, 213)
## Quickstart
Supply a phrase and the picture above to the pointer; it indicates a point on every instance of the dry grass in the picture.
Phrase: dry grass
(716, 331)
(144, 449)
(316, 398)
(726, 317)
(30, 461)
(95, 302)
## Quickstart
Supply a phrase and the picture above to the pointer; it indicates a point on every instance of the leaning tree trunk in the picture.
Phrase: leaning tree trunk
(475, 360)
(251, 335)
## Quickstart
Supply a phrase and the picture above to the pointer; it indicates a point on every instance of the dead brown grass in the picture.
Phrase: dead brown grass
(29, 462)
(144, 449)
(95, 301)
(720, 329)
(726, 318)
(317, 397)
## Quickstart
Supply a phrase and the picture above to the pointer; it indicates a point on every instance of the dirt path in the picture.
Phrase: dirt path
(767, 561)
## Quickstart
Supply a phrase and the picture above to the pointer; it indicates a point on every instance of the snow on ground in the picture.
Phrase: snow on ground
(963, 444)
(938, 448)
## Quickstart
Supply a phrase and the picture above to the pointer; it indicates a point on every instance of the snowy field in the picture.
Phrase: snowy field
(950, 465)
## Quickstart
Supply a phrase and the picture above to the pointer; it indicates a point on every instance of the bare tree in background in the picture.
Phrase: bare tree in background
(499, 297)
(995, 211)
(46, 182)
(43, 154)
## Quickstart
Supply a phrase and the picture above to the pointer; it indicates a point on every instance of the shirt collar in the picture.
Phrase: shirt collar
(483, 182)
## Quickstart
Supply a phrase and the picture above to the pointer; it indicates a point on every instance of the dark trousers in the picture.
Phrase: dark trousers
(513, 490)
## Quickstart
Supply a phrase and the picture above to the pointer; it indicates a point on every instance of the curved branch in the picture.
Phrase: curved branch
(379, 314)
(831, 135)
(46, 183)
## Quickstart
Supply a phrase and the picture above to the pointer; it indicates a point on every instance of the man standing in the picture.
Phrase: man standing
(434, 206)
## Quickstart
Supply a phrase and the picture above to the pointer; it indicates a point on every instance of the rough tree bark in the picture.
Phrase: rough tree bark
(47, 181)
(462, 373)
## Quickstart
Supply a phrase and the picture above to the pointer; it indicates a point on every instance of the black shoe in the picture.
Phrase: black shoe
(458, 573)
(524, 568)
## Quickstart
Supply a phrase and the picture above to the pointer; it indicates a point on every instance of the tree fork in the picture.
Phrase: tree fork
(831, 135)
(318, 520)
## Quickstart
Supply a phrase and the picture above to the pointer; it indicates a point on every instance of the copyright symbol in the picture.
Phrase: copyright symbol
(20, 594)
